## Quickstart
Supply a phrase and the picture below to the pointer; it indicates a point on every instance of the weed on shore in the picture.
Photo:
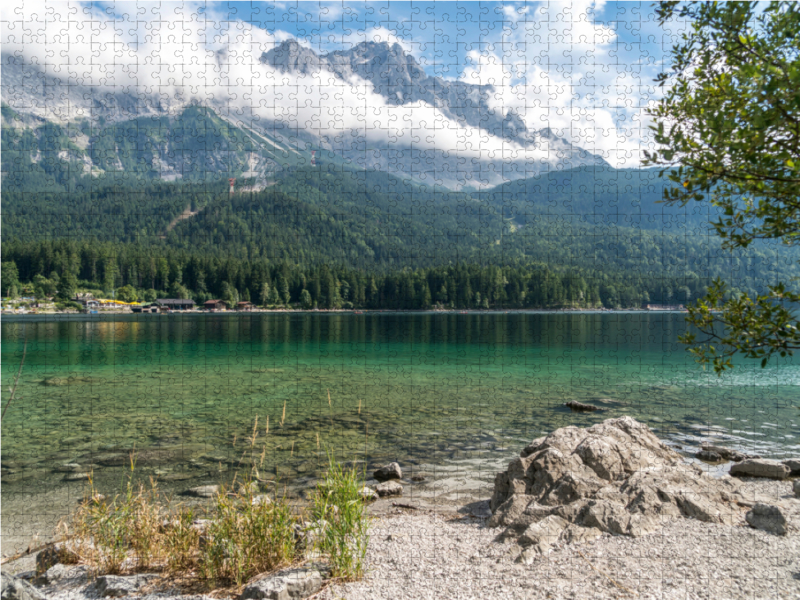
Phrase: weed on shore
(243, 532)
(341, 521)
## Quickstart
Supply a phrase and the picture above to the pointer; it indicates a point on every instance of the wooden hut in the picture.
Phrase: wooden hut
(214, 305)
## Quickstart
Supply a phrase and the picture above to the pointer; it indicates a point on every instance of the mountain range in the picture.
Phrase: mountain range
(56, 127)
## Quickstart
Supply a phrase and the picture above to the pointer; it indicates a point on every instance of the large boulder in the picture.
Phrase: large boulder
(614, 477)
(761, 467)
(794, 466)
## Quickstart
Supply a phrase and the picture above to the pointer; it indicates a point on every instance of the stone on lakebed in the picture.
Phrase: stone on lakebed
(388, 472)
(203, 491)
(576, 406)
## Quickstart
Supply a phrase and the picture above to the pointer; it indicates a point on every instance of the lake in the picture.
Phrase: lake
(452, 397)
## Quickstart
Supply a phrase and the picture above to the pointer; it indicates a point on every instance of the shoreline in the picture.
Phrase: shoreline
(451, 553)
(75, 316)
(443, 488)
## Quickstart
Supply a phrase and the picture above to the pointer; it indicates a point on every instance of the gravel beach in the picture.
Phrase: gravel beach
(416, 555)
(429, 556)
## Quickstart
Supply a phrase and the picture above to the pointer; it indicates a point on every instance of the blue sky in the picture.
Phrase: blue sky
(441, 34)
(584, 69)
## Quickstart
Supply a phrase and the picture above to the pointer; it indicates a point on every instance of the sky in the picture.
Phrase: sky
(584, 69)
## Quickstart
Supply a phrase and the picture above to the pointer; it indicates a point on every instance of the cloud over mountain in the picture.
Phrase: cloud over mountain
(372, 103)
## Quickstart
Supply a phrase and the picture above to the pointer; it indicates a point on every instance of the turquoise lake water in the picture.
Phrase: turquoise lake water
(434, 391)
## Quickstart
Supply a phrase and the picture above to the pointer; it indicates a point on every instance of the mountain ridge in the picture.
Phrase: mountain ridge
(123, 129)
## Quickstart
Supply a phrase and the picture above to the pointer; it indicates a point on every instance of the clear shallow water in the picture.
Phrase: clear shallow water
(440, 393)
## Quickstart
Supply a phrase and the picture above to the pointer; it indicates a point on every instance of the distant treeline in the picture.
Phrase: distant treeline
(144, 273)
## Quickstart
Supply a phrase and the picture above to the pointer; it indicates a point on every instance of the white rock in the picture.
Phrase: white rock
(389, 488)
(285, 585)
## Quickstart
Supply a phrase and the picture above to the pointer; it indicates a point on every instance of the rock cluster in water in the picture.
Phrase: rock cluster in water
(616, 477)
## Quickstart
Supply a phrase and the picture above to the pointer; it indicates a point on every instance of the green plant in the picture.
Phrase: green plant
(129, 522)
(341, 521)
(181, 541)
(247, 535)
(68, 304)
(726, 131)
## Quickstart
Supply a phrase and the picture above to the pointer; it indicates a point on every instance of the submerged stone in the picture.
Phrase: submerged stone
(203, 491)
(388, 472)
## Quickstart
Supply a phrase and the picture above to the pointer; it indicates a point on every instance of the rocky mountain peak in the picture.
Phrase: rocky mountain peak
(290, 57)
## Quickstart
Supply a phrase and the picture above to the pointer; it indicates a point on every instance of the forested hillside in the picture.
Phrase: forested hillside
(585, 237)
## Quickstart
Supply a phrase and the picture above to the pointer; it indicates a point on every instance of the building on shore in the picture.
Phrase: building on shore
(666, 307)
(174, 304)
(214, 305)
(246, 306)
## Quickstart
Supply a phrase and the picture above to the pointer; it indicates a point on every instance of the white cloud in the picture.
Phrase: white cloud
(181, 57)
(171, 50)
(557, 67)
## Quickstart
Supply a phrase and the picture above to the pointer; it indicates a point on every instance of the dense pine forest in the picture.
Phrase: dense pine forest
(331, 237)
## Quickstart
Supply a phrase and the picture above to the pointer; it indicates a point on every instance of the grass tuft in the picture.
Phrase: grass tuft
(341, 521)
(124, 528)
(181, 541)
(246, 537)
